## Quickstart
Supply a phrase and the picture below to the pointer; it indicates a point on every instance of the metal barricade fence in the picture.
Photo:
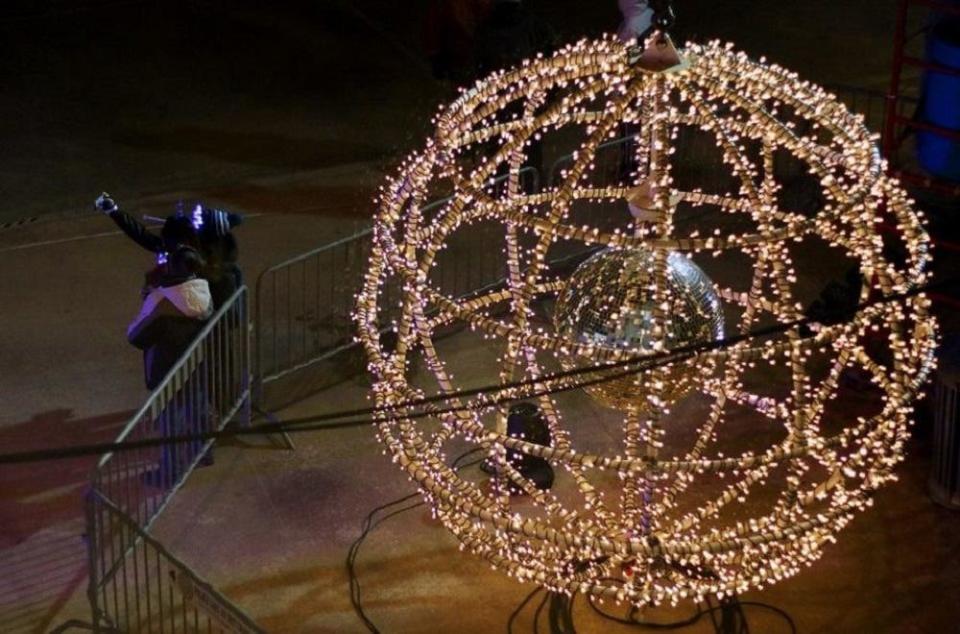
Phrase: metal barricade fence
(145, 588)
(304, 305)
(206, 389)
(944, 480)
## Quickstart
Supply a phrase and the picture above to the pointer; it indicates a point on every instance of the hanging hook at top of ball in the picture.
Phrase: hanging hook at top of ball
(654, 48)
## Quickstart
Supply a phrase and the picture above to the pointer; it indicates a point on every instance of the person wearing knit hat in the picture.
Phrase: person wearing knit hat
(210, 230)
(193, 276)
(176, 297)
(219, 247)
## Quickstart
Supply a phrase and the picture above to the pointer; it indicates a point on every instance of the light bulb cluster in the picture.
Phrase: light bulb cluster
(642, 536)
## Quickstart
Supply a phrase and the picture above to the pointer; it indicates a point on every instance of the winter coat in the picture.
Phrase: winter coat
(219, 249)
(220, 266)
(169, 320)
(177, 294)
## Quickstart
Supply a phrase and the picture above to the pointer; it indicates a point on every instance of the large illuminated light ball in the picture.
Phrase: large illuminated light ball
(768, 457)
(607, 306)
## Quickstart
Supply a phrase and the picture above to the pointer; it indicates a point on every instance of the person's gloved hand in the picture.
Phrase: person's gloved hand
(105, 204)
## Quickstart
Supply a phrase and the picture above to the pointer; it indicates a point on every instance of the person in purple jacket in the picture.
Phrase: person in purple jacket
(177, 302)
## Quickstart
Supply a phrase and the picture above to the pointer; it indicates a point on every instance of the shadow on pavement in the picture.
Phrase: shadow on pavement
(42, 547)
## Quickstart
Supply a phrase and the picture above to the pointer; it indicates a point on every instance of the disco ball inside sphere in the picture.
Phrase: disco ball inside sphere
(610, 307)
(770, 183)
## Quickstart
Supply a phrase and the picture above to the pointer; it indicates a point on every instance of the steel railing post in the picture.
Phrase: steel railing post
(245, 379)
(93, 544)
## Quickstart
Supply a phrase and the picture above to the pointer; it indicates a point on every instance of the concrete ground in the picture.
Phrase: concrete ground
(271, 528)
(70, 377)
(293, 113)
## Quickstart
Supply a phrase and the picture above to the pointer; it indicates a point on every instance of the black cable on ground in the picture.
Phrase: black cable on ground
(519, 608)
(354, 551)
(720, 615)
(561, 614)
(778, 611)
(369, 524)
(536, 615)
(711, 613)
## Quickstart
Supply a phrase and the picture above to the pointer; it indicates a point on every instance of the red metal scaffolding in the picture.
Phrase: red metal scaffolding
(897, 123)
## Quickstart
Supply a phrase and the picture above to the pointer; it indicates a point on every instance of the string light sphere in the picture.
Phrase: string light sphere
(682, 502)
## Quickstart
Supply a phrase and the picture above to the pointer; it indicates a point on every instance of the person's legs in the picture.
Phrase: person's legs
(167, 472)
(203, 418)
